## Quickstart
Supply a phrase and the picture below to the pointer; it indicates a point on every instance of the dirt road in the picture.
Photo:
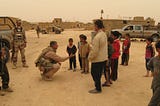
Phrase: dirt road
(71, 88)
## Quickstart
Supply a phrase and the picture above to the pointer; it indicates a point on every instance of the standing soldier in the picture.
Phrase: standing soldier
(38, 31)
(19, 43)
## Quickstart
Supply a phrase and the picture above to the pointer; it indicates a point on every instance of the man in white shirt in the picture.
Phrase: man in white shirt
(98, 55)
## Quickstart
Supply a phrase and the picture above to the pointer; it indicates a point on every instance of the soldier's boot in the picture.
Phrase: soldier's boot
(14, 66)
(25, 65)
(46, 78)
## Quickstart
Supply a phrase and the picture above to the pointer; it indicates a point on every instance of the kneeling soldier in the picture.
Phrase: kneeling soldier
(48, 61)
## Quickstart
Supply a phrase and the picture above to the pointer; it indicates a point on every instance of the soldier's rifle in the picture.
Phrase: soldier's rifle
(13, 51)
(2, 60)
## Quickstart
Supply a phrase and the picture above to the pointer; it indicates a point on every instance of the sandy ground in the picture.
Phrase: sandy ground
(71, 88)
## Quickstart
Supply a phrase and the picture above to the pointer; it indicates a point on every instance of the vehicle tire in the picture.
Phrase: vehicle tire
(57, 32)
(6, 46)
(155, 37)
(5, 43)
(7, 53)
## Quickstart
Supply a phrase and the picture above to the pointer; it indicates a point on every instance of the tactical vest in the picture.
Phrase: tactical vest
(19, 34)
(42, 61)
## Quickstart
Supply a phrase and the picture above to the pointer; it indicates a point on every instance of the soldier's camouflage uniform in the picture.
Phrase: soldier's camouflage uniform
(48, 62)
(19, 44)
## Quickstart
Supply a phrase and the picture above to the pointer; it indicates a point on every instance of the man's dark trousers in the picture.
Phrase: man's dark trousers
(96, 72)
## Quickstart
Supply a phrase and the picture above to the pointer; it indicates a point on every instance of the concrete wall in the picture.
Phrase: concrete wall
(109, 23)
(119, 23)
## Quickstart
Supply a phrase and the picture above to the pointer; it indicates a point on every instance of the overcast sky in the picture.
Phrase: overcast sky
(78, 10)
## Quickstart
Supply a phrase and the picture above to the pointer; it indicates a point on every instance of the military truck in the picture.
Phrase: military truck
(44, 31)
(6, 31)
(57, 29)
(49, 27)
(138, 31)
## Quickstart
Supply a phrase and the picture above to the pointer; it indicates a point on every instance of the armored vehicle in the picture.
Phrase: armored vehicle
(6, 31)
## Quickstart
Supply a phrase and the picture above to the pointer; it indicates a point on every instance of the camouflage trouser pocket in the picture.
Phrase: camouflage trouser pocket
(22, 46)
(45, 69)
(48, 66)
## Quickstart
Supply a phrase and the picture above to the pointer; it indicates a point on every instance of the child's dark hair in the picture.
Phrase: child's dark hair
(81, 35)
(99, 24)
(116, 34)
(110, 39)
(84, 37)
(157, 45)
(128, 35)
(70, 40)
(149, 39)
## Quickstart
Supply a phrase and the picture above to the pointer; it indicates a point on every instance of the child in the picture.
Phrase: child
(4, 71)
(149, 53)
(107, 71)
(125, 49)
(84, 51)
(71, 49)
(154, 66)
(79, 44)
(115, 56)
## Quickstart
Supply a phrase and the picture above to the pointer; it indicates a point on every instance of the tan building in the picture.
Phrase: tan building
(57, 21)
(89, 26)
(109, 23)
(119, 23)
(70, 25)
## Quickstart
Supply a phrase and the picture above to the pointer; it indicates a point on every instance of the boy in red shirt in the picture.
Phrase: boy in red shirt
(115, 56)
(149, 53)
(125, 50)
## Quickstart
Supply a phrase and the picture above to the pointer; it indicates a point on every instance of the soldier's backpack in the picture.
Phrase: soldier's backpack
(41, 61)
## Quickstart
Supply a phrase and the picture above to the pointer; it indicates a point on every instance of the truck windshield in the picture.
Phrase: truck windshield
(128, 28)
(138, 28)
